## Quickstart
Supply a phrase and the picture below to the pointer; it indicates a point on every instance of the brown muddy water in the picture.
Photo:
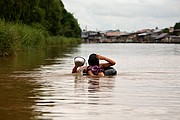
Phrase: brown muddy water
(39, 85)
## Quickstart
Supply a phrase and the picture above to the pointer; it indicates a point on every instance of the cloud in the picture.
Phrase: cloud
(123, 14)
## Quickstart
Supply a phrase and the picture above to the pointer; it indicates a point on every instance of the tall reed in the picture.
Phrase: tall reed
(60, 40)
(15, 37)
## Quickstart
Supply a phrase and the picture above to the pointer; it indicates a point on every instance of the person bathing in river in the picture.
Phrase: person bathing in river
(95, 68)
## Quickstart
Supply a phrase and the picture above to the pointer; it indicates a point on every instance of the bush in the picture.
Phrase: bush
(14, 37)
(20, 37)
(60, 40)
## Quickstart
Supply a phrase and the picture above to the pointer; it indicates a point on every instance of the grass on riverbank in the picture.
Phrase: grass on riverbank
(16, 37)
(60, 40)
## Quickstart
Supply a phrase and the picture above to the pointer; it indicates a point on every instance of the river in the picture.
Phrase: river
(39, 84)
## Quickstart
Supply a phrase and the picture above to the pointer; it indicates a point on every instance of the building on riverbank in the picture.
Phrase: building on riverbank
(141, 36)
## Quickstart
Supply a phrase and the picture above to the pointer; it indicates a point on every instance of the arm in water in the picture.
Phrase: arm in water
(77, 69)
(74, 70)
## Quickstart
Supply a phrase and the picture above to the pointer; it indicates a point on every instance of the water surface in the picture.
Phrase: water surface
(40, 85)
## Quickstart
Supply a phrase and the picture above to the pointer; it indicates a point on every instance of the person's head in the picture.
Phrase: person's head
(93, 60)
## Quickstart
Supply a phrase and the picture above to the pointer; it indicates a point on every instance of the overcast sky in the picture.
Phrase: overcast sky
(125, 15)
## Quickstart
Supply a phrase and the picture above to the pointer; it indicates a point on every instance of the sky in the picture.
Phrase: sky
(125, 15)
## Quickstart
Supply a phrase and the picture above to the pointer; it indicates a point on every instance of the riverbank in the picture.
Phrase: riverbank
(142, 36)
(16, 37)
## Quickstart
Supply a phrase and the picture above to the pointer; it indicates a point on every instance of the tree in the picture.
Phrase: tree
(50, 14)
(177, 26)
(166, 30)
(70, 25)
(58, 21)
(177, 29)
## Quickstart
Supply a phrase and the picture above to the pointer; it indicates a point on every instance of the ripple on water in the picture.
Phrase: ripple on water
(147, 86)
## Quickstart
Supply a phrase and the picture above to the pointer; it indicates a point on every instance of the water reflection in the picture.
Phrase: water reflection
(19, 82)
(16, 98)
(39, 85)
(95, 84)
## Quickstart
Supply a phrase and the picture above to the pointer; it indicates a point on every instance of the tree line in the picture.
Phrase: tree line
(49, 15)
(176, 29)
(177, 26)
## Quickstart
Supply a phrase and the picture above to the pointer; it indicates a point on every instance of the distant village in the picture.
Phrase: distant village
(141, 36)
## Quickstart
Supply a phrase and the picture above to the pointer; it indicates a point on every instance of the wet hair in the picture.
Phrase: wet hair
(93, 60)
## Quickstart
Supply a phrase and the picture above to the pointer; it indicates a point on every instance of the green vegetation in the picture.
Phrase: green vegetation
(18, 37)
(177, 29)
(59, 40)
(177, 26)
(166, 30)
(14, 37)
(33, 24)
(48, 14)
